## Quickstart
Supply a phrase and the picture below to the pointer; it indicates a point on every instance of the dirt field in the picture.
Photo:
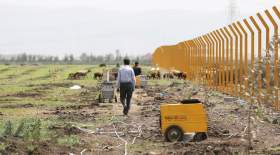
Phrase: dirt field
(40, 114)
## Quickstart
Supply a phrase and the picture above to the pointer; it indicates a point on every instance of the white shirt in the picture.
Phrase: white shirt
(126, 75)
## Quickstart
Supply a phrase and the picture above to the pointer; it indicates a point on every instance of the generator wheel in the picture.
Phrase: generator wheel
(110, 101)
(200, 136)
(100, 100)
(173, 134)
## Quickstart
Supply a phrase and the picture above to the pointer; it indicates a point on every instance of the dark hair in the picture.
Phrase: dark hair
(126, 61)
(136, 63)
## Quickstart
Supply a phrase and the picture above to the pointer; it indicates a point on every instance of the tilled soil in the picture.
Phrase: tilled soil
(227, 134)
(139, 132)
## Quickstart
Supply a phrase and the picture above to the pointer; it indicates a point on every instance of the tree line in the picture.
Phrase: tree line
(84, 58)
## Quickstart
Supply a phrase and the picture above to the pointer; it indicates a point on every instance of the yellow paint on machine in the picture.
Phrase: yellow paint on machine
(189, 117)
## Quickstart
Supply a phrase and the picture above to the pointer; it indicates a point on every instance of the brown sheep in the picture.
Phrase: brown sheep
(98, 76)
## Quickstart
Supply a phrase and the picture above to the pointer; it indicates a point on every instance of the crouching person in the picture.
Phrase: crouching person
(126, 84)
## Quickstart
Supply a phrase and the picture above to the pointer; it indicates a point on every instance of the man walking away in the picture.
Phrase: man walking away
(126, 82)
(137, 70)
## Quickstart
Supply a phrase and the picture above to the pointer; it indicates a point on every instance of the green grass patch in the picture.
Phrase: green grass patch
(69, 141)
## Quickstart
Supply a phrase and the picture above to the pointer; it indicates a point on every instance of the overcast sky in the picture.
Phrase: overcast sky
(135, 27)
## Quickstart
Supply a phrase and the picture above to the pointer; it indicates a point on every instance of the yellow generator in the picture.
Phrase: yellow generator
(187, 117)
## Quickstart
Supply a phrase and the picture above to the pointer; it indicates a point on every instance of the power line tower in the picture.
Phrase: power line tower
(232, 11)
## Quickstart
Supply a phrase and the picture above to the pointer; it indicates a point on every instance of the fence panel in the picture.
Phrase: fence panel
(225, 60)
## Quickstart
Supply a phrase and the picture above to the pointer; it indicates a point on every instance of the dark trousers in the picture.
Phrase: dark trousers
(126, 90)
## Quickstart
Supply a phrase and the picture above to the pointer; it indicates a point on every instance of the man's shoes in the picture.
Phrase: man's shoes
(125, 112)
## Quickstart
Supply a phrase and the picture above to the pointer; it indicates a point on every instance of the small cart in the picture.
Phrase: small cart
(107, 92)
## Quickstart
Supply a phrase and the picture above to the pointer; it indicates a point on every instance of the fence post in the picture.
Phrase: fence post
(218, 63)
(247, 95)
(182, 56)
(276, 61)
(215, 57)
(212, 59)
(187, 47)
(193, 52)
(203, 58)
(222, 60)
(236, 61)
(267, 65)
(193, 59)
(198, 60)
(240, 59)
(252, 56)
(276, 78)
(260, 94)
(231, 61)
(208, 58)
(226, 68)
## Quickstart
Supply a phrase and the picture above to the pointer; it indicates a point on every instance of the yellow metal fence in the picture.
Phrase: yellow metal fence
(240, 59)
